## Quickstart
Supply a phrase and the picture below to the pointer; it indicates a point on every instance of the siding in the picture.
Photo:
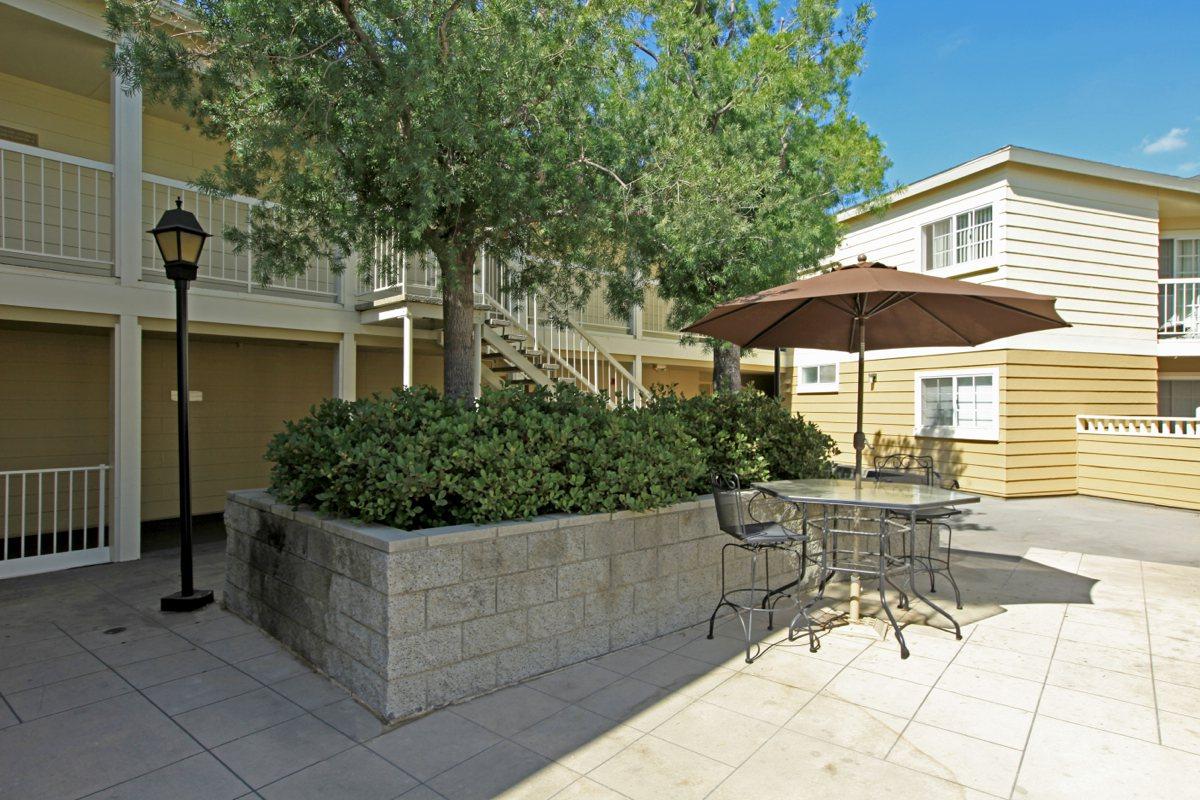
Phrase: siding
(55, 397)
(1146, 469)
(382, 369)
(1040, 394)
(250, 388)
(1092, 245)
(65, 122)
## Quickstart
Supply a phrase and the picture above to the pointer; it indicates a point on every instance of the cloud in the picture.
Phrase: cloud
(954, 42)
(1189, 169)
(1174, 139)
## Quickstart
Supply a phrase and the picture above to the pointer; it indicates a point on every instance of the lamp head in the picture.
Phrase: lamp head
(180, 240)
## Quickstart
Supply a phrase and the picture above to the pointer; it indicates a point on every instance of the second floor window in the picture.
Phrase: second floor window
(957, 239)
(1179, 258)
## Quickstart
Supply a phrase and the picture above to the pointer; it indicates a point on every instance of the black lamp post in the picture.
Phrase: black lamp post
(180, 239)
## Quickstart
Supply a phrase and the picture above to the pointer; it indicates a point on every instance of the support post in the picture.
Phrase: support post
(126, 533)
(127, 227)
(477, 360)
(345, 380)
(407, 379)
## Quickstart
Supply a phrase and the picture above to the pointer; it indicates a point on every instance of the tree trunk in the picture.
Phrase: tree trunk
(458, 323)
(727, 367)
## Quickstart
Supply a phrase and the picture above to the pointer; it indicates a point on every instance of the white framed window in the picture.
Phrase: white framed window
(813, 378)
(959, 404)
(958, 239)
(1178, 259)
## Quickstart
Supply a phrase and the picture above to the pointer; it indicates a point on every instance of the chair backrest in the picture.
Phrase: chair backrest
(905, 468)
(727, 498)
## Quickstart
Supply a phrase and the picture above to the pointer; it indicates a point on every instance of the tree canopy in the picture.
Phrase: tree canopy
(739, 148)
(439, 125)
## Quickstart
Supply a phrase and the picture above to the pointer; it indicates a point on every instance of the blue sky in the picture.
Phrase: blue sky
(1117, 82)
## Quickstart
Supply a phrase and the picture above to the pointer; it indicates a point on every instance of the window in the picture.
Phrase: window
(1179, 258)
(958, 405)
(817, 378)
(1179, 397)
(958, 239)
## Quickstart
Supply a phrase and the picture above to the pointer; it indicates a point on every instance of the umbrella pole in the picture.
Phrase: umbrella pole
(859, 443)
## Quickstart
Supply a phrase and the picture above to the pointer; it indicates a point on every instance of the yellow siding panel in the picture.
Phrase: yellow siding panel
(1147, 469)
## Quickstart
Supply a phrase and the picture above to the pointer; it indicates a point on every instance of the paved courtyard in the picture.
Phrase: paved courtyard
(1078, 676)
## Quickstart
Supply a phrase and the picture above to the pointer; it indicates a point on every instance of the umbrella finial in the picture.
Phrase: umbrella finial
(862, 258)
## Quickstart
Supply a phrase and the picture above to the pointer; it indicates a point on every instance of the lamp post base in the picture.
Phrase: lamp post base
(187, 602)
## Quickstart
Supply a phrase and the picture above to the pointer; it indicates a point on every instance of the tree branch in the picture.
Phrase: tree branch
(343, 6)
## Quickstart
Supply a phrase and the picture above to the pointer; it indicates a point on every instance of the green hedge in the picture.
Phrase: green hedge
(415, 460)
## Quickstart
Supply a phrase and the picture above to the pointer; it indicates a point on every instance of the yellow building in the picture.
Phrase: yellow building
(87, 416)
(1107, 407)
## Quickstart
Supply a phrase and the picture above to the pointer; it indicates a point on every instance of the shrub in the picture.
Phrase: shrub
(749, 433)
(412, 459)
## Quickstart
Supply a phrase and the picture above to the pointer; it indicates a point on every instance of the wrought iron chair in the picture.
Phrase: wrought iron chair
(755, 536)
(916, 469)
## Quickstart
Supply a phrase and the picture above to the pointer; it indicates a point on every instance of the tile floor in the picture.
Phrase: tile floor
(1078, 676)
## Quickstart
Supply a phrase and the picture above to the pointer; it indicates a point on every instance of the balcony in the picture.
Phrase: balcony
(1179, 308)
(56, 213)
(55, 210)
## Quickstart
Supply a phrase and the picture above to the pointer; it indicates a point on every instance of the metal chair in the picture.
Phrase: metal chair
(756, 537)
(916, 469)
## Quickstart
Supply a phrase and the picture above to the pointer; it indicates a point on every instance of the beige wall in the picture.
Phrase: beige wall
(382, 369)
(66, 122)
(250, 387)
(55, 396)
(1146, 469)
(688, 381)
(1040, 394)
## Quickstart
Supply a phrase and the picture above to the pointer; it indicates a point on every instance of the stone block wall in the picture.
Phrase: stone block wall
(412, 620)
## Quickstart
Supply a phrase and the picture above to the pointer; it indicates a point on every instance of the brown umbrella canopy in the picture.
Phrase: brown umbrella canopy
(899, 309)
(872, 306)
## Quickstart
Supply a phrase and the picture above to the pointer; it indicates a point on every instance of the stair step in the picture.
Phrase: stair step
(496, 322)
(550, 366)
(515, 337)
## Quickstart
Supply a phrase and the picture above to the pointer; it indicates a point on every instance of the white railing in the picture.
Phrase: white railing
(1185, 427)
(220, 262)
(395, 270)
(53, 518)
(655, 313)
(562, 342)
(1179, 308)
(55, 207)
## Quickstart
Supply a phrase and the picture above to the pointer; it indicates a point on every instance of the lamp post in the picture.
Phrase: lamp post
(180, 239)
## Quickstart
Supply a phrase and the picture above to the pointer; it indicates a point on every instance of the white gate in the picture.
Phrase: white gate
(53, 519)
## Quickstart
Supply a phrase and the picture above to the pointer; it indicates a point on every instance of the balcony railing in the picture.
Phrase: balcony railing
(55, 210)
(1179, 308)
(1185, 427)
(53, 519)
(220, 263)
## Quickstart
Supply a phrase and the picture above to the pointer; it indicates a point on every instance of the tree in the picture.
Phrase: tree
(439, 126)
(739, 148)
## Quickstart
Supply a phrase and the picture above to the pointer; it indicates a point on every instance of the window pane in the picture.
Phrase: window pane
(1166, 258)
(1187, 260)
(982, 233)
(808, 374)
(962, 238)
(827, 373)
(937, 409)
(938, 238)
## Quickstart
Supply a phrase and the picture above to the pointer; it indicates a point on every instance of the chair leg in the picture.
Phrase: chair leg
(713, 619)
(750, 606)
(767, 590)
(929, 550)
(949, 574)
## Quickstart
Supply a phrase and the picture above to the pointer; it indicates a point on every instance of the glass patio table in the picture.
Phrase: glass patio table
(893, 504)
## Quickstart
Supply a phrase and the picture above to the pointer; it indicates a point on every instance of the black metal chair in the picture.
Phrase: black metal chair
(755, 536)
(916, 469)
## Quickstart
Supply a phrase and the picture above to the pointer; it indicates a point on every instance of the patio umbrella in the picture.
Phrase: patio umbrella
(870, 305)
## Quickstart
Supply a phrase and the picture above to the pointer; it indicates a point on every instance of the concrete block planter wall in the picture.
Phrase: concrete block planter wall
(412, 620)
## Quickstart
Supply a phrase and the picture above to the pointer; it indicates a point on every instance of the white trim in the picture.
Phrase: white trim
(54, 155)
(34, 565)
(1033, 158)
(970, 265)
(825, 387)
(989, 434)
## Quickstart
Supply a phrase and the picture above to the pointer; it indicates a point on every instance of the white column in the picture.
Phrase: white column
(126, 538)
(477, 361)
(406, 379)
(637, 369)
(345, 369)
(127, 182)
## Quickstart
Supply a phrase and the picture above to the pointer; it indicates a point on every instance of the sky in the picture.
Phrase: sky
(1117, 82)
